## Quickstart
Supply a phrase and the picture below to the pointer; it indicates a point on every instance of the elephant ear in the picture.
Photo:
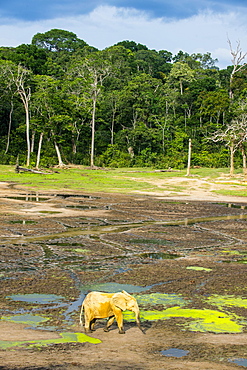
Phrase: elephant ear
(119, 301)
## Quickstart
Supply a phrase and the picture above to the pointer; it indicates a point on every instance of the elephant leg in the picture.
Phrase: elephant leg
(119, 318)
(87, 319)
(92, 323)
(109, 323)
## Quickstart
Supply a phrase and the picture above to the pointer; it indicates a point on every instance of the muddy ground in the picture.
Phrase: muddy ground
(191, 245)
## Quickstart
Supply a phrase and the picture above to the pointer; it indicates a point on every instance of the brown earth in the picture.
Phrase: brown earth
(55, 243)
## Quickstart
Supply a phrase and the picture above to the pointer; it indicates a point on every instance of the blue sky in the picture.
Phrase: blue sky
(189, 25)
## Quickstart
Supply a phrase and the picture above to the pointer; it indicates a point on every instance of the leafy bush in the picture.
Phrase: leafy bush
(209, 159)
(113, 157)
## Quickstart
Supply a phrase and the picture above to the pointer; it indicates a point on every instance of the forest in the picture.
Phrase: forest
(66, 102)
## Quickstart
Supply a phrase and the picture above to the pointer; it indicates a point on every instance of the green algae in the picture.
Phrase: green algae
(198, 268)
(64, 338)
(231, 252)
(160, 298)
(81, 250)
(33, 320)
(226, 301)
(204, 320)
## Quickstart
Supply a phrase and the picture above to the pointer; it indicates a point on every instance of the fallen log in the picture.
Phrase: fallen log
(19, 169)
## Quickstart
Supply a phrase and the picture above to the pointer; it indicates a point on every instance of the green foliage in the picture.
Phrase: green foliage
(113, 157)
(211, 159)
(126, 105)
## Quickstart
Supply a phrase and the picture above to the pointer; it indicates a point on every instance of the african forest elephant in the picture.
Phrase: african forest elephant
(99, 305)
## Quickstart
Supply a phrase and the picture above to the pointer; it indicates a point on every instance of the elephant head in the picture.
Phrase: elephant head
(125, 301)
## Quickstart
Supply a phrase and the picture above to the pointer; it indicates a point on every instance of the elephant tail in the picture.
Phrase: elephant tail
(81, 313)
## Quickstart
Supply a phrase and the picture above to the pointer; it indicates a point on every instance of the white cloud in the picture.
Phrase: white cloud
(105, 26)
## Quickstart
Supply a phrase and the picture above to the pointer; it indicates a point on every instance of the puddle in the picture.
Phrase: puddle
(198, 268)
(37, 298)
(50, 212)
(64, 338)
(174, 352)
(29, 198)
(81, 207)
(159, 255)
(74, 306)
(114, 287)
(239, 361)
(23, 222)
(100, 230)
(32, 320)
(77, 196)
(232, 205)
(45, 299)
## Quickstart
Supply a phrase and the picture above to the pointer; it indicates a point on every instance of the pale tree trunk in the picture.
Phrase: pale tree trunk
(189, 158)
(32, 141)
(39, 149)
(181, 87)
(114, 109)
(244, 161)
(9, 128)
(237, 58)
(27, 133)
(59, 157)
(93, 129)
(25, 95)
(232, 159)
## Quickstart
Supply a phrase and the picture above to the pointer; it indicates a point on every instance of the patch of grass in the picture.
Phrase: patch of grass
(231, 192)
(121, 180)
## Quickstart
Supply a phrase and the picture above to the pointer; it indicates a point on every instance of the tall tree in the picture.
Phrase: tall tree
(93, 70)
(58, 40)
(237, 58)
(181, 73)
(21, 79)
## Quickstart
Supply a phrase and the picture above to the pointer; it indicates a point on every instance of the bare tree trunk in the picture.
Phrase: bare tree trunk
(181, 87)
(231, 159)
(237, 58)
(25, 95)
(10, 123)
(93, 130)
(244, 161)
(59, 157)
(32, 141)
(27, 133)
(112, 127)
(39, 149)
(189, 158)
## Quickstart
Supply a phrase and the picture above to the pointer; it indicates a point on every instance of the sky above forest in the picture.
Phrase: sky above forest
(189, 25)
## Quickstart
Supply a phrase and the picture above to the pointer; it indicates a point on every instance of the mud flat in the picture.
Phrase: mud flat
(183, 259)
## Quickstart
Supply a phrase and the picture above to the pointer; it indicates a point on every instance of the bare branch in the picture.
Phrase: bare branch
(237, 58)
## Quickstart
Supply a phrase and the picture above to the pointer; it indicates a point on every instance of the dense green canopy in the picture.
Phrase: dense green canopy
(64, 101)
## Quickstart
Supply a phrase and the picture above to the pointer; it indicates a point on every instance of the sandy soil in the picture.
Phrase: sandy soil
(53, 220)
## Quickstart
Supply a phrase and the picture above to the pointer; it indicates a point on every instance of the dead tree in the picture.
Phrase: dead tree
(237, 58)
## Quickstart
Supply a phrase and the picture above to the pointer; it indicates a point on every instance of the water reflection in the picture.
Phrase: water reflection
(239, 361)
(174, 352)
